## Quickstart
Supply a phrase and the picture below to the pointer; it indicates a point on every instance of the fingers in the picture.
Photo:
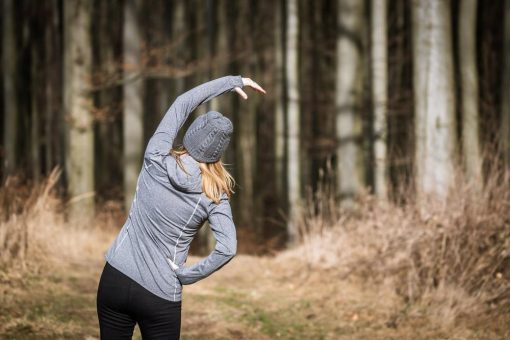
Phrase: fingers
(241, 92)
(249, 82)
(257, 87)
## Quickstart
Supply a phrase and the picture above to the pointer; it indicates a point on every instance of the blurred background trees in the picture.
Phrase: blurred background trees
(388, 93)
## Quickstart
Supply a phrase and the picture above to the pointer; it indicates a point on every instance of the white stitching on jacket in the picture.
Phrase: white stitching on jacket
(177, 242)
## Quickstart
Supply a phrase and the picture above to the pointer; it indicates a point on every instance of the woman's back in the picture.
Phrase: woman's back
(161, 224)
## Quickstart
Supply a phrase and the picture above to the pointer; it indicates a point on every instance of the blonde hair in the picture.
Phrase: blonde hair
(216, 179)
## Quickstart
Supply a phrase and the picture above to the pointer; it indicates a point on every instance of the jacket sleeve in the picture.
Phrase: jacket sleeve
(222, 225)
(162, 140)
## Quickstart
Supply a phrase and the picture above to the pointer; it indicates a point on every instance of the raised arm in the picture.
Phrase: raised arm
(162, 140)
(222, 225)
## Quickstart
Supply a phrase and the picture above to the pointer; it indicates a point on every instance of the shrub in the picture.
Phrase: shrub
(452, 255)
(34, 232)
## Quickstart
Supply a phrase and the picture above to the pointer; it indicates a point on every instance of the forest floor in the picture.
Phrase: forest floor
(250, 298)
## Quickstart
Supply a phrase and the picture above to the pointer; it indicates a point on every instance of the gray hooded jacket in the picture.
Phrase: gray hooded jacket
(169, 207)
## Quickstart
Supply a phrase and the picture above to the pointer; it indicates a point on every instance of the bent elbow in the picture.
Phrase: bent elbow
(231, 251)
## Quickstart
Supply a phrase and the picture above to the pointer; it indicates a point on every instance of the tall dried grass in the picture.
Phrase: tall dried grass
(34, 232)
(452, 256)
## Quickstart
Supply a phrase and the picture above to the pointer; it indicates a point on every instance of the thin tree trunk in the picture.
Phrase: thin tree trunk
(245, 124)
(306, 91)
(50, 85)
(318, 119)
(505, 90)
(105, 98)
(201, 50)
(224, 55)
(279, 101)
(59, 133)
(379, 94)
(434, 97)
(180, 49)
(133, 99)
(218, 53)
(293, 120)
(469, 85)
(10, 87)
(108, 33)
(249, 122)
(78, 105)
(35, 74)
(349, 75)
(162, 31)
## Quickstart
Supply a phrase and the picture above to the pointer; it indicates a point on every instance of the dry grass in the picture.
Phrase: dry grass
(394, 270)
(447, 259)
(34, 232)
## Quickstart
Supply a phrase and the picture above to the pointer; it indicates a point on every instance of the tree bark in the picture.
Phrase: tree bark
(293, 120)
(434, 97)
(505, 90)
(245, 124)
(108, 99)
(162, 30)
(35, 110)
(133, 99)
(379, 94)
(181, 51)
(51, 86)
(349, 75)
(218, 53)
(77, 106)
(469, 86)
(55, 128)
(10, 87)
(279, 101)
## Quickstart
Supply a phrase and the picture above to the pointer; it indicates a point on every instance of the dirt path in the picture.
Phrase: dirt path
(250, 298)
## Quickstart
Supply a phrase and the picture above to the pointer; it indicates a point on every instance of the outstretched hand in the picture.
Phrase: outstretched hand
(250, 83)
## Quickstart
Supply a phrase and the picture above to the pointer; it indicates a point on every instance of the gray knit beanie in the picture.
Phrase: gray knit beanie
(208, 136)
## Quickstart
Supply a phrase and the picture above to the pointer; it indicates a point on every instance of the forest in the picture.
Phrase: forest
(376, 167)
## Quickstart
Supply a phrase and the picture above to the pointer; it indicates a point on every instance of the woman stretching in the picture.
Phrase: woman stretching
(177, 190)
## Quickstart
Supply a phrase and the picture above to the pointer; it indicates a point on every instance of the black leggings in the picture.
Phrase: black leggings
(121, 303)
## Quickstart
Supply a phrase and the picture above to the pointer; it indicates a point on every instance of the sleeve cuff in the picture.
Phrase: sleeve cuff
(236, 81)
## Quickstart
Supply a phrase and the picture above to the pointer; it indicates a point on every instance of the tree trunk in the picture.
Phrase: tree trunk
(77, 106)
(161, 39)
(379, 94)
(55, 127)
(505, 90)
(279, 101)
(51, 77)
(349, 75)
(10, 87)
(434, 97)
(200, 50)
(293, 120)
(35, 111)
(218, 53)
(245, 124)
(469, 87)
(133, 99)
(181, 51)
(108, 99)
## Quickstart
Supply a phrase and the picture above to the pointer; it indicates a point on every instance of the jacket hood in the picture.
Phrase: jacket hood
(186, 182)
